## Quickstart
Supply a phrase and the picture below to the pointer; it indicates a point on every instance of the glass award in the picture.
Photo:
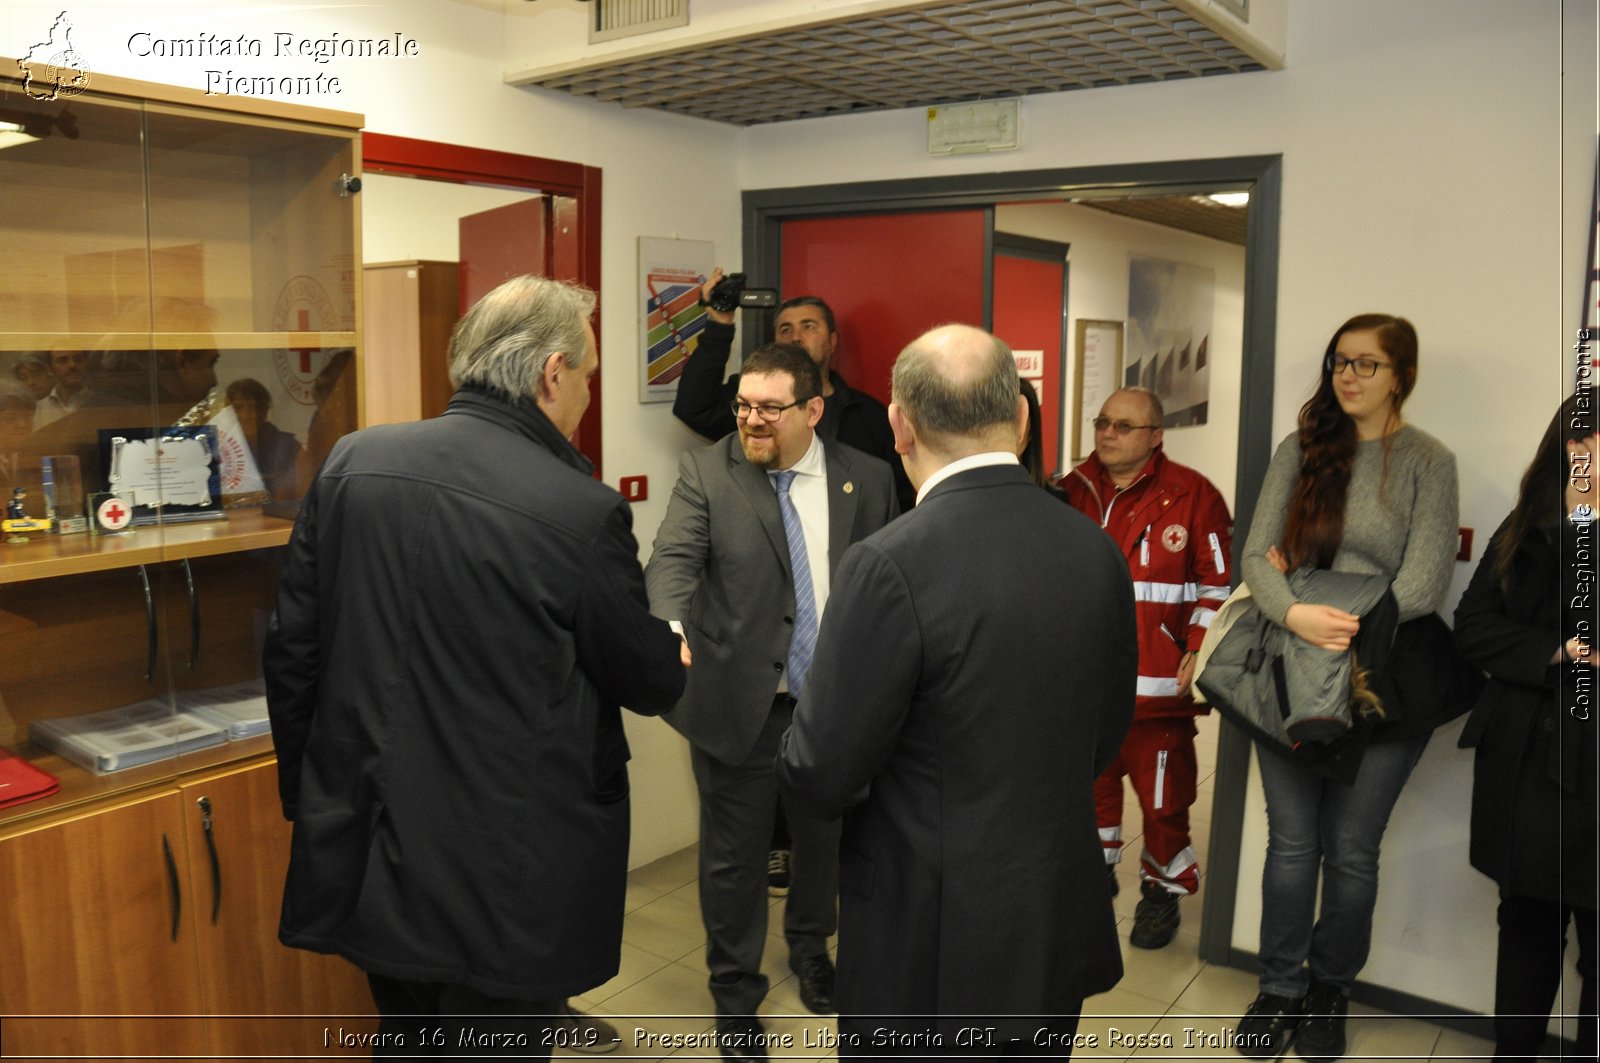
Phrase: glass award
(63, 493)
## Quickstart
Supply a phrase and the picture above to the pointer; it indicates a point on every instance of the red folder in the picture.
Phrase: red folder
(21, 781)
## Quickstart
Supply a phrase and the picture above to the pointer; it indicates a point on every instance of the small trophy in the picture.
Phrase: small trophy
(63, 494)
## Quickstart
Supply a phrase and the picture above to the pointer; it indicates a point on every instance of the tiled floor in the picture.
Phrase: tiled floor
(1169, 1005)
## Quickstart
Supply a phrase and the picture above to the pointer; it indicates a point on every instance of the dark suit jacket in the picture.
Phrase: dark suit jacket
(974, 673)
(721, 565)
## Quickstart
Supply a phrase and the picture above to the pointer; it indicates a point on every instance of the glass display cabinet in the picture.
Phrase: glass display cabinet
(179, 348)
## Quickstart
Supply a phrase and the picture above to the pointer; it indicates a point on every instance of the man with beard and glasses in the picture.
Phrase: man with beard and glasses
(741, 566)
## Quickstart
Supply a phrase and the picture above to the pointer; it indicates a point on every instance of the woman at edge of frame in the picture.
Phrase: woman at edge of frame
(1534, 784)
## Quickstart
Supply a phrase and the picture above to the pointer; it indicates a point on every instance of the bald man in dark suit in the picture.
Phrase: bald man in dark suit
(973, 676)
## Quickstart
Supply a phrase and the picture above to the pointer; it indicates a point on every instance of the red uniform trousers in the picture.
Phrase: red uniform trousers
(1158, 758)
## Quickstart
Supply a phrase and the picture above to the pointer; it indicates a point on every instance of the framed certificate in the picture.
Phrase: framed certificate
(1098, 373)
(165, 475)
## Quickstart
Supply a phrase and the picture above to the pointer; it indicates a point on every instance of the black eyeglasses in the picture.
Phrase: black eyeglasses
(1336, 363)
(767, 412)
(1121, 428)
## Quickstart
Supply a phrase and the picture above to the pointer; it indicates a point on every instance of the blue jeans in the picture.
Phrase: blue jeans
(1316, 825)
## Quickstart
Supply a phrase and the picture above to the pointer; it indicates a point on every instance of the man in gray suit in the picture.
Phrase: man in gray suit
(742, 563)
(974, 675)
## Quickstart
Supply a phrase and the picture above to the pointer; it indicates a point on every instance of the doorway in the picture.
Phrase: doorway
(766, 210)
(567, 197)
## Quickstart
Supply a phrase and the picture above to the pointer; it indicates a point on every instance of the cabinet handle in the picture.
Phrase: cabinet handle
(194, 616)
(172, 881)
(216, 865)
(150, 623)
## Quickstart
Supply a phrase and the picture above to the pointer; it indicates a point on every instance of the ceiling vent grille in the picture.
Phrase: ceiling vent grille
(630, 18)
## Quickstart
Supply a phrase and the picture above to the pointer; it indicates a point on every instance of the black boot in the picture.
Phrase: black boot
(1321, 1035)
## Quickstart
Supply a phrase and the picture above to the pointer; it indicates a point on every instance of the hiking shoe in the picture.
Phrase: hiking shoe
(1155, 920)
(1268, 1026)
(1320, 1038)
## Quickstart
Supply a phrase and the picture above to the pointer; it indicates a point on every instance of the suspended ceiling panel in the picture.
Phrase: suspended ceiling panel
(1195, 214)
(912, 57)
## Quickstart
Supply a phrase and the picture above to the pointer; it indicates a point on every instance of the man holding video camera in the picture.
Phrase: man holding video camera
(849, 416)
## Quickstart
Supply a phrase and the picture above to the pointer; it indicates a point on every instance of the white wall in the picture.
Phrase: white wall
(406, 218)
(1097, 290)
(1430, 169)
(663, 176)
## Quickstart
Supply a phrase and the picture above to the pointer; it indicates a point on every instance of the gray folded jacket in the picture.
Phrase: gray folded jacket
(1284, 689)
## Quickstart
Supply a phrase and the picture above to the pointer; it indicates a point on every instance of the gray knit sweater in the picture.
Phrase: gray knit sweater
(1405, 531)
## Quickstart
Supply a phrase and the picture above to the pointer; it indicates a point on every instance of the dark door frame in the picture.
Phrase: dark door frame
(765, 210)
(1055, 252)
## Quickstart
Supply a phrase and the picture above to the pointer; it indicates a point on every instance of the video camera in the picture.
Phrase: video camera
(730, 294)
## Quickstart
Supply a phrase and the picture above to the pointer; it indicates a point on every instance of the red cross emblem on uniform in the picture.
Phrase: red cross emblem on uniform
(1175, 538)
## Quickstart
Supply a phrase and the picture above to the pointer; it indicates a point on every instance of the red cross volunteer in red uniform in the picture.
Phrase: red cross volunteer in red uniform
(1175, 531)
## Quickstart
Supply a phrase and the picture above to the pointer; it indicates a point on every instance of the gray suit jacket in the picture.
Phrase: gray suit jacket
(721, 565)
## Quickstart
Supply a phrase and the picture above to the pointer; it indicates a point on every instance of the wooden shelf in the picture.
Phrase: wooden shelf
(172, 341)
(48, 556)
(87, 791)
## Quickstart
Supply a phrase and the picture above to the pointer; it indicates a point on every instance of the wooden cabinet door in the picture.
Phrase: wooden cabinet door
(96, 943)
(409, 309)
(246, 974)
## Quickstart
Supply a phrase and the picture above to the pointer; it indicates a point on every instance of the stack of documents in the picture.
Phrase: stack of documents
(127, 737)
(240, 709)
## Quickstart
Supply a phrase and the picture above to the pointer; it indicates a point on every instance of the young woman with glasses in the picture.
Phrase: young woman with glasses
(1354, 489)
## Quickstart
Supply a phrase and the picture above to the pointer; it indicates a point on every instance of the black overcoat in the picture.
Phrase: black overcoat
(1534, 787)
(459, 617)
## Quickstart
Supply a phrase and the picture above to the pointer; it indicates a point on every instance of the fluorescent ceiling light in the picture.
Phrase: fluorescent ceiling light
(1230, 199)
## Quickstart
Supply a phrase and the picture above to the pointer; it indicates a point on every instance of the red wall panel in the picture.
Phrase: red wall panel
(1027, 315)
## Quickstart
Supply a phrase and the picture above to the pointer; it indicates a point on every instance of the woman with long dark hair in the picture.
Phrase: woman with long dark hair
(1528, 619)
(1354, 489)
(1030, 444)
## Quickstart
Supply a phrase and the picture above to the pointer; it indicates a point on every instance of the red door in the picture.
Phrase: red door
(538, 236)
(889, 278)
(1029, 314)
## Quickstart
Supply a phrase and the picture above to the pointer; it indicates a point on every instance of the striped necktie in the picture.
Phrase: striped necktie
(803, 642)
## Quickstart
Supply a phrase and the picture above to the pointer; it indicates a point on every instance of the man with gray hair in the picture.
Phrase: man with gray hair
(974, 673)
(460, 615)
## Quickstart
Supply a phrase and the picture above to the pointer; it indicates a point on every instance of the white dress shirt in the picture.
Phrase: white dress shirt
(971, 461)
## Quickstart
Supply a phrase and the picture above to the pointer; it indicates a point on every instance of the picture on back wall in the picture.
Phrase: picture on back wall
(670, 275)
(1169, 335)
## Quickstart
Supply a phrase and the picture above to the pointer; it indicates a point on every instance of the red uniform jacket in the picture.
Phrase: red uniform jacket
(1175, 531)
